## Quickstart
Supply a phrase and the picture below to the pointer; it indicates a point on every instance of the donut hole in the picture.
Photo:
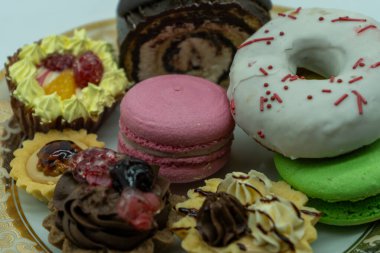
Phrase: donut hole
(316, 59)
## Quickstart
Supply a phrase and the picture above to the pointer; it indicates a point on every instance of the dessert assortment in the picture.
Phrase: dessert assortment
(176, 126)
(181, 123)
(164, 37)
(61, 82)
(330, 123)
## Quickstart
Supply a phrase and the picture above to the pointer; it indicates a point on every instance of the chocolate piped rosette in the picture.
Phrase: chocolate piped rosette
(186, 37)
(109, 202)
(246, 213)
(64, 82)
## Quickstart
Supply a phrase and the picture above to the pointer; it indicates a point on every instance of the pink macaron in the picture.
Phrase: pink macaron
(181, 123)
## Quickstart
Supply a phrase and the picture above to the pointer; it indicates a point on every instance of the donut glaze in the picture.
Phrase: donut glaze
(302, 118)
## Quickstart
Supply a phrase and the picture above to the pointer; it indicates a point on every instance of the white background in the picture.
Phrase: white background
(25, 21)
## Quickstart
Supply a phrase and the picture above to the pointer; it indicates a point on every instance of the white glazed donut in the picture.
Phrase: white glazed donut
(302, 118)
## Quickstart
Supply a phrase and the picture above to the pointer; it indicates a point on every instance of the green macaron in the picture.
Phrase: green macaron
(345, 188)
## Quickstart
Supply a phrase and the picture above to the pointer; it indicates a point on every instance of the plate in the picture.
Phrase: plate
(21, 215)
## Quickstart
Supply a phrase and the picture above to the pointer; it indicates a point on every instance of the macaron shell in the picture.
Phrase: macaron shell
(186, 174)
(170, 160)
(177, 110)
(347, 213)
(353, 176)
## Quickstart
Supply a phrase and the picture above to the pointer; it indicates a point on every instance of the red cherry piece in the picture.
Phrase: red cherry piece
(92, 166)
(58, 62)
(138, 208)
(87, 69)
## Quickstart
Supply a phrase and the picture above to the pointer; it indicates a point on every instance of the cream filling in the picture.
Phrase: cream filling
(40, 177)
(199, 152)
(196, 56)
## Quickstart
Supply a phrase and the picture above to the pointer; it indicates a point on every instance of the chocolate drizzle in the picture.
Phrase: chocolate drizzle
(222, 219)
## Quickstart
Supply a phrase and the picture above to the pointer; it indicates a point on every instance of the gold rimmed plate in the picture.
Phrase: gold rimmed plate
(21, 215)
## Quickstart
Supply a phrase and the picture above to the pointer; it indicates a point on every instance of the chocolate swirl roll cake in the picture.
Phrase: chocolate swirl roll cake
(196, 37)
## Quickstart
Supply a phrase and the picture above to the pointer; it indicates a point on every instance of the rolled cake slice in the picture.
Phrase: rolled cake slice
(195, 37)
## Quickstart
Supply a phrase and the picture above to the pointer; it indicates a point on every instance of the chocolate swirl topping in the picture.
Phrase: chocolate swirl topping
(222, 219)
(87, 215)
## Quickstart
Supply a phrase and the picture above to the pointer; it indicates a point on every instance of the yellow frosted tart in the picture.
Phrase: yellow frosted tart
(246, 213)
(64, 82)
(39, 163)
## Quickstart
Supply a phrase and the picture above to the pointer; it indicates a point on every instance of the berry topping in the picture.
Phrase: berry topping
(58, 62)
(92, 165)
(87, 69)
(131, 172)
(53, 157)
(138, 208)
(64, 85)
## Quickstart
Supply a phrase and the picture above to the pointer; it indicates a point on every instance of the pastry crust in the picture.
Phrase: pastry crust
(19, 172)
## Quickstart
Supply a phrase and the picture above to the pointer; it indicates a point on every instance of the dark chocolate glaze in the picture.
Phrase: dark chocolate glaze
(140, 21)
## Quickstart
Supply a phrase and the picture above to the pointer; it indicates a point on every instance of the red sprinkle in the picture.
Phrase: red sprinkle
(297, 10)
(232, 106)
(265, 100)
(345, 19)
(321, 18)
(310, 97)
(282, 33)
(360, 100)
(277, 97)
(332, 79)
(358, 63)
(375, 65)
(266, 85)
(268, 92)
(269, 106)
(272, 98)
(254, 41)
(366, 28)
(270, 67)
(282, 15)
(293, 78)
(286, 78)
(292, 17)
(326, 91)
(340, 100)
(340, 81)
(262, 104)
(266, 31)
(286, 87)
(263, 71)
(268, 42)
(356, 79)
(261, 134)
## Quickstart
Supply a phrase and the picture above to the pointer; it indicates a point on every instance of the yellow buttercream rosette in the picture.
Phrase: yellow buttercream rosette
(286, 224)
(23, 166)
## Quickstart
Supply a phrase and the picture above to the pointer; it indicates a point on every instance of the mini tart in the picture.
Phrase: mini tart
(45, 98)
(31, 179)
(251, 190)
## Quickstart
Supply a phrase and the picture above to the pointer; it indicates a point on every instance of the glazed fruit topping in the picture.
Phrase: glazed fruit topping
(138, 208)
(54, 156)
(92, 166)
(87, 69)
(132, 172)
(64, 85)
(58, 62)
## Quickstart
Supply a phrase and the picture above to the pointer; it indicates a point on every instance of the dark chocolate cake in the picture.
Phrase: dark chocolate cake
(197, 37)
